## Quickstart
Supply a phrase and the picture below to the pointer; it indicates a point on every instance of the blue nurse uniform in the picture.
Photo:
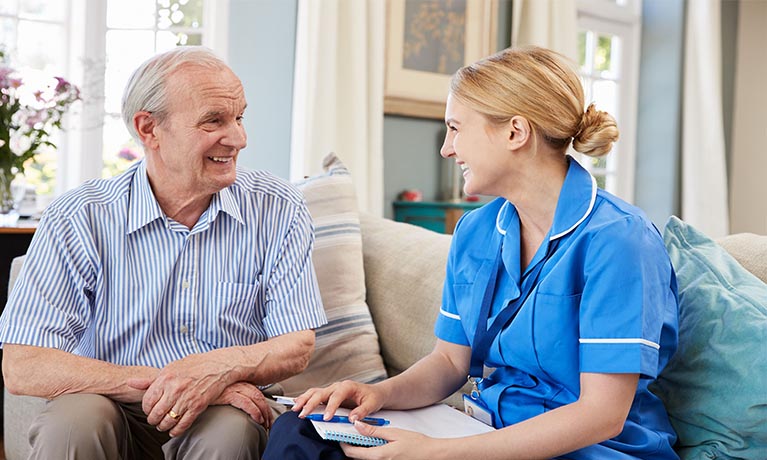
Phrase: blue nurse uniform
(605, 301)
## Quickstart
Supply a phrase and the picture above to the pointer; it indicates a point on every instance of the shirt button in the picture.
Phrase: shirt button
(183, 329)
(185, 284)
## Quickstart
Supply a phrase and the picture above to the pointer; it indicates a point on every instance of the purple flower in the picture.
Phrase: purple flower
(127, 153)
(61, 85)
(37, 117)
(4, 79)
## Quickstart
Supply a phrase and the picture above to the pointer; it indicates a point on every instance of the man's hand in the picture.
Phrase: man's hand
(182, 391)
(248, 398)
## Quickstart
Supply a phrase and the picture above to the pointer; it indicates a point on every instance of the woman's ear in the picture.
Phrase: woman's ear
(519, 132)
(145, 125)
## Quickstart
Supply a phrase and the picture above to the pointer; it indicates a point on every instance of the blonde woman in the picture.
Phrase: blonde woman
(565, 290)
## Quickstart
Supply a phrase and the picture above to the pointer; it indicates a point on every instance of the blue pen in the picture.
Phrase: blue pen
(343, 419)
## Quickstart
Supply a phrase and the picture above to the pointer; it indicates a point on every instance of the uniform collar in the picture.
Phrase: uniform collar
(144, 209)
(575, 203)
(576, 200)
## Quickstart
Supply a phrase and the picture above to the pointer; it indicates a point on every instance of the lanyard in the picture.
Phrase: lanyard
(483, 337)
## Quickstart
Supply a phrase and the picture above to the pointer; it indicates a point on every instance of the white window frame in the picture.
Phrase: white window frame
(82, 160)
(622, 19)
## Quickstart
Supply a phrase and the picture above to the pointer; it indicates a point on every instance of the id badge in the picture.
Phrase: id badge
(476, 410)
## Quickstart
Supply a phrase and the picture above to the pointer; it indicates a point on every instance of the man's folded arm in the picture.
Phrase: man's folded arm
(49, 373)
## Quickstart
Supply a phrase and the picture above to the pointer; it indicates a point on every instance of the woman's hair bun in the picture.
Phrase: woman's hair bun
(596, 134)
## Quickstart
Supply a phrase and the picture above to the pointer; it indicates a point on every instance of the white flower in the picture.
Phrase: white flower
(2, 142)
(20, 143)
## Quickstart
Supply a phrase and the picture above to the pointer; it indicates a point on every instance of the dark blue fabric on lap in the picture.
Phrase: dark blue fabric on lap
(292, 438)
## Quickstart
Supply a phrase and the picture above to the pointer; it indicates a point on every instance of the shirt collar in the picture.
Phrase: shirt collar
(144, 209)
(142, 206)
(224, 201)
(576, 200)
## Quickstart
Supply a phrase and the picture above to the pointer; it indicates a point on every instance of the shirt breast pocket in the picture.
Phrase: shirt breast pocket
(556, 333)
(236, 306)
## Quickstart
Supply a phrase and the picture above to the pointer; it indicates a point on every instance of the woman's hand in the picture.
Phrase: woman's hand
(401, 445)
(365, 399)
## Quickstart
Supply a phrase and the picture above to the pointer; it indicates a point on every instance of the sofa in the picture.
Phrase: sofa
(403, 274)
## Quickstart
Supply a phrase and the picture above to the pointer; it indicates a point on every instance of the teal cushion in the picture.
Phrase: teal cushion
(715, 386)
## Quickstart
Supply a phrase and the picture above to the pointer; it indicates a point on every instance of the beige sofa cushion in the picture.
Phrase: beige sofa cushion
(405, 269)
(346, 347)
(749, 250)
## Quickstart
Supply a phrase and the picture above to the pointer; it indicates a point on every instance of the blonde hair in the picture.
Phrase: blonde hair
(540, 85)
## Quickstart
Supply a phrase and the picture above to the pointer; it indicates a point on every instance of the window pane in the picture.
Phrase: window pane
(9, 7)
(40, 171)
(183, 39)
(125, 49)
(598, 163)
(133, 14)
(588, 92)
(167, 40)
(603, 53)
(8, 35)
(601, 182)
(605, 96)
(582, 49)
(179, 13)
(41, 46)
(120, 150)
(51, 10)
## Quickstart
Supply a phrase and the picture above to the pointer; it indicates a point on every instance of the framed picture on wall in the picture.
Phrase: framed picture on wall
(426, 42)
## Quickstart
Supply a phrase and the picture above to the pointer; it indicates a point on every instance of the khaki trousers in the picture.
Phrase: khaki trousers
(87, 426)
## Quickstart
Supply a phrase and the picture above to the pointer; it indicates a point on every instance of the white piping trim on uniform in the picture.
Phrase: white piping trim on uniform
(498, 219)
(449, 315)
(586, 214)
(642, 341)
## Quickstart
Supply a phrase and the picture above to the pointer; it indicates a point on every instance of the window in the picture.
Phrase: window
(34, 35)
(135, 30)
(608, 54)
(97, 44)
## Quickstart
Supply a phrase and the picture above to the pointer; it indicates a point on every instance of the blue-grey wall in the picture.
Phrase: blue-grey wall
(262, 42)
(659, 117)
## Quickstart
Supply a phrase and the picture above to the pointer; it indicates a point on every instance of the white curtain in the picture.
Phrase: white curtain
(338, 92)
(704, 168)
(552, 24)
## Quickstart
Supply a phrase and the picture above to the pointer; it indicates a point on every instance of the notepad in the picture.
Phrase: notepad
(437, 421)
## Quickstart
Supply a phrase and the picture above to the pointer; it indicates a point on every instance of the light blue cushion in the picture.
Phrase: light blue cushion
(715, 386)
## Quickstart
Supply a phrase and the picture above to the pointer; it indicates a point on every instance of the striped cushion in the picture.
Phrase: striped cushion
(346, 347)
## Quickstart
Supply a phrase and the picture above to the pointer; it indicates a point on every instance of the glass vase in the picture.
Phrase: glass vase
(8, 214)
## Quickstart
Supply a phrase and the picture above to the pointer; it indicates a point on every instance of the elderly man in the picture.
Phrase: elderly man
(153, 306)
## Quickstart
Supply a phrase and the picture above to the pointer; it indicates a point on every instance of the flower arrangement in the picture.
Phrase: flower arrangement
(28, 117)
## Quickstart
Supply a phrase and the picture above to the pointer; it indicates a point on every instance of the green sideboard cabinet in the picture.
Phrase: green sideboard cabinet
(438, 216)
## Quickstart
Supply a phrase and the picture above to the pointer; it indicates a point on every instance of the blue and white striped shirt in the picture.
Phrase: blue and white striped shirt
(109, 276)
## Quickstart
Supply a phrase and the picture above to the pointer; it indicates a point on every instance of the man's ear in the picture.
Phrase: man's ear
(145, 125)
(519, 132)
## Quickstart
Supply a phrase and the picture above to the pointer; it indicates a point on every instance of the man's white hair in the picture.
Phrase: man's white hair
(147, 88)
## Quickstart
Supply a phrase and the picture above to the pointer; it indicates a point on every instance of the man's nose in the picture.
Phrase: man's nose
(236, 137)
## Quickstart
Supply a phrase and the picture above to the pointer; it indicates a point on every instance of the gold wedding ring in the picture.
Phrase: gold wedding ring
(173, 415)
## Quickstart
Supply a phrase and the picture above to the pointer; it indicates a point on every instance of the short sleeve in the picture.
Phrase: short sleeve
(292, 295)
(628, 307)
(448, 326)
(50, 304)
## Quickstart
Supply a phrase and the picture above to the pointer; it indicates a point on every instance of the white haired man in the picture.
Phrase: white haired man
(154, 306)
